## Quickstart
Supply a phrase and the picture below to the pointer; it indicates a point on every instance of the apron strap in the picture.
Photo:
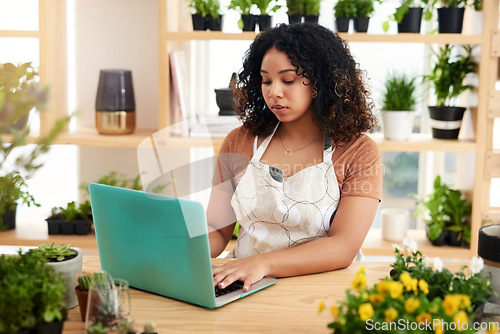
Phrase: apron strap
(258, 152)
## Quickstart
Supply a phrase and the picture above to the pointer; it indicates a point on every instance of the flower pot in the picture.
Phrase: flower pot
(411, 21)
(446, 121)
(49, 327)
(454, 238)
(398, 125)
(361, 24)
(264, 22)
(54, 226)
(395, 223)
(214, 24)
(9, 219)
(295, 18)
(249, 22)
(342, 24)
(67, 227)
(82, 227)
(440, 240)
(199, 22)
(450, 20)
(82, 296)
(487, 249)
(70, 269)
(311, 18)
(225, 101)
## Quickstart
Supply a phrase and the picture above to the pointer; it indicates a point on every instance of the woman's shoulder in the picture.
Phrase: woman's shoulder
(238, 140)
(359, 145)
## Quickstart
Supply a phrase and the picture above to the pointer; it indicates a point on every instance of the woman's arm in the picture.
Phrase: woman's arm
(347, 233)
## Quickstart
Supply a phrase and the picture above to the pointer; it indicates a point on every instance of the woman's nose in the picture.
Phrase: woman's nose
(276, 91)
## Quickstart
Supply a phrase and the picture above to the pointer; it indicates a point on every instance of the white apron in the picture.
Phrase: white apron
(276, 212)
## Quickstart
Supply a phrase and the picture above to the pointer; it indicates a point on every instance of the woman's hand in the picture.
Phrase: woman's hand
(249, 270)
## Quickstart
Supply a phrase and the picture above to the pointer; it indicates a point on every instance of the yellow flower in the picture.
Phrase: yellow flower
(334, 310)
(493, 328)
(376, 298)
(450, 304)
(423, 286)
(409, 282)
(365, 311)
(464, 301)
(396, 290)
(321, 306)
(359, 283)
(438, 326)
(461, 319)
(424, 318)
(391, 314)
(411, 304)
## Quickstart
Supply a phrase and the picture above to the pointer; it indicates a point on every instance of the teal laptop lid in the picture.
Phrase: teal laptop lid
(157, 243)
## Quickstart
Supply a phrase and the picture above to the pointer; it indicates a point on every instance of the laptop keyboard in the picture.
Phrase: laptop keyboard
(236, 285)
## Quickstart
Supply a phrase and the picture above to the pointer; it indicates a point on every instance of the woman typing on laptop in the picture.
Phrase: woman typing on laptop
(301, 177)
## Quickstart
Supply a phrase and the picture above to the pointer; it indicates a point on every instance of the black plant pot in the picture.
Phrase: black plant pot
(440, 240)
(454, 238)
(199, 22)
(411, 21)
(264, 22)
(450, 20)
(293, 19)
(54, 226)
(82, 227)
(342, 24)
(311, 18)
(50, 328)
(214, 24)
(249, 22)
(361, 24)
(9, 219)
(67, 227)
(446, 121)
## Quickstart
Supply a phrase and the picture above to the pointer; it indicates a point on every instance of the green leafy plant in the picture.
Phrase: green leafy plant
(295, 7)
(32, 292)
(242, 6)
(446, 209)
(312, 7)
(415, 293)
(72, 211)
(266, 6)
(54, 253)
(345, 8)
(364, 8)
(404, 7)
(449, 73)
(476, 4)
(399, 92)
(21, 92)
(206, 7)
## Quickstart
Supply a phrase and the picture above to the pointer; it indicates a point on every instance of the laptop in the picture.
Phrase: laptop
(159, 244)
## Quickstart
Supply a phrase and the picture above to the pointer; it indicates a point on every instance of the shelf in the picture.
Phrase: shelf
(374, 245)
(419, 142)
(356, 37)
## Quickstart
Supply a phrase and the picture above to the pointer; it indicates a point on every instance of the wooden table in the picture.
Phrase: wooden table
(290, 306)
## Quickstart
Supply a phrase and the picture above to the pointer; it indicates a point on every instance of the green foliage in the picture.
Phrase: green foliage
(266, 6)
(53, 253)
(449, 73)
(447, 209)
(364, 8)
(206, 7)
(312, 7)
(31, 292)
(87, 279)
(72, 211)
(345, 8)
(242, 6)
(295, 7)
(400, 12)
(20, 92)
(399, 93)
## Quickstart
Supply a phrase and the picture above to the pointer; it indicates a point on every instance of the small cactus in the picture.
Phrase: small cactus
(87, 279)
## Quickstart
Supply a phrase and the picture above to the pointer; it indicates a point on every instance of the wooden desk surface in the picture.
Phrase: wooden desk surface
(290, 306)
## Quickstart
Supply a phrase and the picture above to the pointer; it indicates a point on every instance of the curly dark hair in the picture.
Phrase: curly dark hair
(343, 105)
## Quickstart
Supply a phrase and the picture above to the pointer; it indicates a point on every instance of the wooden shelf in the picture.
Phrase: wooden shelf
(419, 142)
(355, 37)
(374, 245)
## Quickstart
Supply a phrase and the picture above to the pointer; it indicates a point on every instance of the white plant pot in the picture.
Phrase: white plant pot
(70, 268)
(398, 125)
(395, 223)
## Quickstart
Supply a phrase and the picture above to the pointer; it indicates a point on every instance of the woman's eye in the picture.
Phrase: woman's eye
(288, 82)
(266, 82)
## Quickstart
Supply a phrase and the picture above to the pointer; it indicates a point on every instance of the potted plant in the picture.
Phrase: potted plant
(72, 218)
(32, 295)
(451, 14)
(448, 77)
(311, 10)
(295, 10)
(85, 280)
(364, 8)
(206, 14)
(398, 105)
(247, 21)
(266, 7)
(344, 10)
(20, 92)
(409, 15)
(447, 211)
(68, 261)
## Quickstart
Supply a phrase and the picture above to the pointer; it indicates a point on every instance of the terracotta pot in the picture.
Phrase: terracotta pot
(83, 297)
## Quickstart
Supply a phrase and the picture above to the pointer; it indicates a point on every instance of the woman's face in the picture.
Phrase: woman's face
(288, 95)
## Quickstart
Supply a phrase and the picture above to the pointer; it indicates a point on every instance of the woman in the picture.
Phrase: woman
(300, 176)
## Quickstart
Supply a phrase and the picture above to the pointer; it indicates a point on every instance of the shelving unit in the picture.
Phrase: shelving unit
(172, 33)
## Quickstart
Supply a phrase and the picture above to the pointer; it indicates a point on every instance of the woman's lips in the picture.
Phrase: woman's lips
(278, 108)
